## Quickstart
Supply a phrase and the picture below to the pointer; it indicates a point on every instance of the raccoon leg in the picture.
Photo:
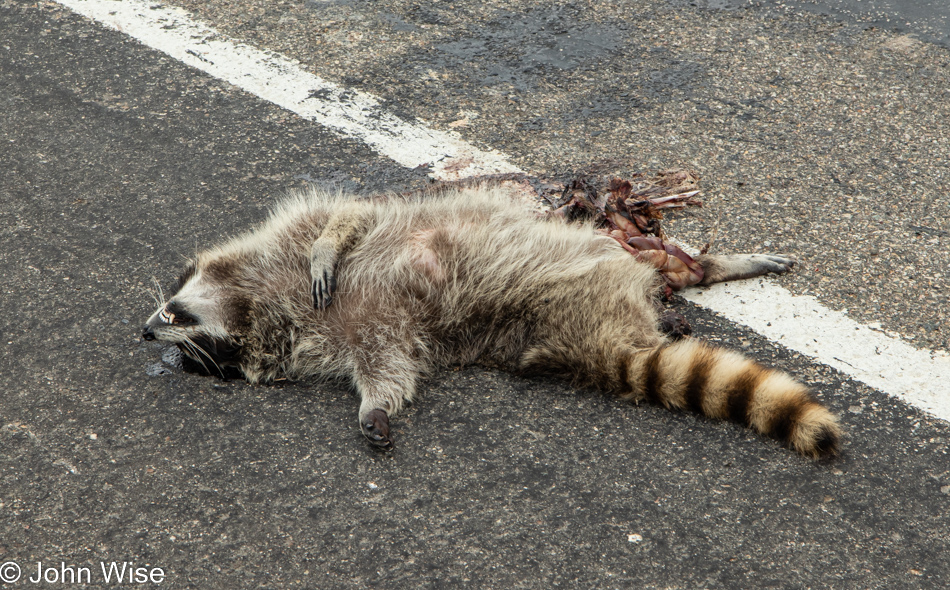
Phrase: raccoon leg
(385, 380)
(720, 268)
(690, 375)
(339, 235)
(381, 398)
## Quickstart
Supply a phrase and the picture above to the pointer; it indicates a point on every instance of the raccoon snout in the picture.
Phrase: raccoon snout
(147, 333)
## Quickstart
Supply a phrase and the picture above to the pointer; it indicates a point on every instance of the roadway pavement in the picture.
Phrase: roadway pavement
(924, 19)
(814, 137)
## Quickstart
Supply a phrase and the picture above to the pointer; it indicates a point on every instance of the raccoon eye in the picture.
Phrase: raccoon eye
(173, 313)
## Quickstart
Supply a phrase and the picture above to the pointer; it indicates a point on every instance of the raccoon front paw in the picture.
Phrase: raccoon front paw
(323, 257)
(375, 427)
(322, 289)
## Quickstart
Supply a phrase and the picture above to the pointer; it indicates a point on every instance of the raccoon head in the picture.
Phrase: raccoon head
(204, 316)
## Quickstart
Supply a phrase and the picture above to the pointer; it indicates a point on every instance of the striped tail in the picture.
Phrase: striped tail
(718, 383)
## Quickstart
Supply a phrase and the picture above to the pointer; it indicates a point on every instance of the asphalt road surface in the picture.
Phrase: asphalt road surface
(818, 137)
(925, 19)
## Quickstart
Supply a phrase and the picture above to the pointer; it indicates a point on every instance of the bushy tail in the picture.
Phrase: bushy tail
(719, 383)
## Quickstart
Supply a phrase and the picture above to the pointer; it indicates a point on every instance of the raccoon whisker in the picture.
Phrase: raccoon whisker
(161, 292)
(196, 352)
(190, 350)
(158, 297)
(202, 352)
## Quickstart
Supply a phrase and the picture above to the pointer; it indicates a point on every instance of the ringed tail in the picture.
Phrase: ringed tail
(690, 375)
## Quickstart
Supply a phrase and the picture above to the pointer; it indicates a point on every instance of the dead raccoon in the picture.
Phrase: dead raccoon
(467, 275)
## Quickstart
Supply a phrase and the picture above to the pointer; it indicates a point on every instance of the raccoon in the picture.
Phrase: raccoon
(379, 292)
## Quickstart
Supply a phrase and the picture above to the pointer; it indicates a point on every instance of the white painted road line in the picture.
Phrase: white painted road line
(802, 324)
(918, 377)
(283, 82)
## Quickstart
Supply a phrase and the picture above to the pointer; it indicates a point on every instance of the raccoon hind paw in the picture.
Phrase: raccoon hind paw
(375, 427)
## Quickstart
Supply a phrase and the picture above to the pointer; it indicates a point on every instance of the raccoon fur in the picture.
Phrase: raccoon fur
(379, 292)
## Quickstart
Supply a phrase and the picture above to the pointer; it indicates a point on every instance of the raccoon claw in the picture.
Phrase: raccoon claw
(375, 427)
(762, 264)
(778, 264)
(322, 290)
